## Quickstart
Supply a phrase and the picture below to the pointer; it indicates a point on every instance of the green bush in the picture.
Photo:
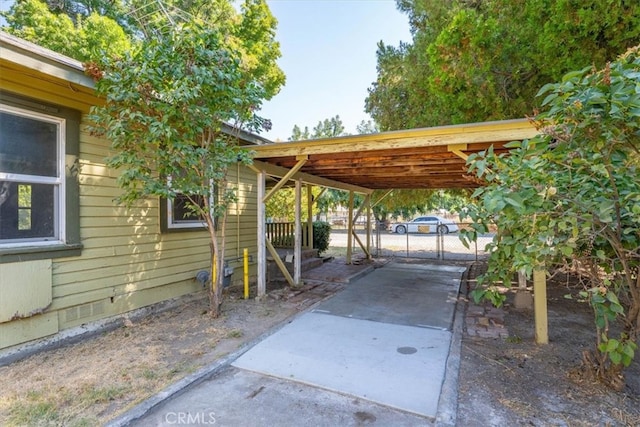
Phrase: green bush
(321, 235)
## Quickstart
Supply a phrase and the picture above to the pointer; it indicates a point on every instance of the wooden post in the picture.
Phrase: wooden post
(297, 245)
(540, 306)
(262, 252)
(367, 201)
(309, 217)
(350, 228)
(523, 299)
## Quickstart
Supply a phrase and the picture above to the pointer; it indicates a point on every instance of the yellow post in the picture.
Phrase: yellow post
(540, 306)
(214, 272)
(246, 273)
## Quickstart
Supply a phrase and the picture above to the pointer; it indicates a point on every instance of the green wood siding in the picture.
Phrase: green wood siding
(126, 261)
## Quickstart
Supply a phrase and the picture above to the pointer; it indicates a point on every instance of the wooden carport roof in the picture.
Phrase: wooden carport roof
(429, 158)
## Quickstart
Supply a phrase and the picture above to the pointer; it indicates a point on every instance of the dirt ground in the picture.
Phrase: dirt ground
(505, 381)
(511, 381)
(94, 381)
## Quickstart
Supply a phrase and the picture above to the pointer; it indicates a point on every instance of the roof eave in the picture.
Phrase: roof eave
(38, 58)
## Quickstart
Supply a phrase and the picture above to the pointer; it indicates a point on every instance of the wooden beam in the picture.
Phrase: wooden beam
(540, 306)
(309, 217)
(363, 159)
(362, 246)
(280, 264)
(374, 162)
(374, 204)
(460, 182)
(285, 178)
(297, 235)
(278, 171)
(322, 190)
(434, 169)
(500, 131)
(367, 202)
(458, 149)
(350, 228)
(262, 256)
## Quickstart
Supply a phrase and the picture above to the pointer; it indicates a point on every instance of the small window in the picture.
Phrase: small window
(176, 215)
(180, 216)
(32, 182)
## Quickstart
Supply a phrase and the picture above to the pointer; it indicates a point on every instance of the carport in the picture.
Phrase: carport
(427, 158)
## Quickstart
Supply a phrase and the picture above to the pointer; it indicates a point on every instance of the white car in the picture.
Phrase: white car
(426, 224)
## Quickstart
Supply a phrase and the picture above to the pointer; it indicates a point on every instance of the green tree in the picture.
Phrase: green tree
(88, 38)
(571, 197)
(282, 204)
(148, 94)
(88, 30)
(484, 60)
(256, 34)
(329, 128)
(367, 127)
(116, 10)
(298, 134)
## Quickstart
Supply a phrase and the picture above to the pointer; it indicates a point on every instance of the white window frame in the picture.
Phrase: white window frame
(58, 182)
(183, 224)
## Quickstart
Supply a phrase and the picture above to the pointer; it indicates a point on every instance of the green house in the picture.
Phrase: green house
(69, 255)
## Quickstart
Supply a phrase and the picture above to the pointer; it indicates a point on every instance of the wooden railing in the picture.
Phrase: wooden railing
(281, 234)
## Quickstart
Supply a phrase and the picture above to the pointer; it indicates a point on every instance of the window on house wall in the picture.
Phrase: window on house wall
(176, 215)
(37, 198)
(31, 177)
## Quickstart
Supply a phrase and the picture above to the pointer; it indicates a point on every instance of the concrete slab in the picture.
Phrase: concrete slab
(403, 294)
(395, 365)
(373, 358)
(385, 339)
(240, 398)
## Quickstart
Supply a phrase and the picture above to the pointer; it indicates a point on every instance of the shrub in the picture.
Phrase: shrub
(321, 235)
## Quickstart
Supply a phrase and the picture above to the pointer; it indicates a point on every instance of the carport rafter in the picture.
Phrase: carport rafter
(430, 158)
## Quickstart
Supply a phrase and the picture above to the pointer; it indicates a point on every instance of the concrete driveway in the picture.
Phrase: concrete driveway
(381, 343)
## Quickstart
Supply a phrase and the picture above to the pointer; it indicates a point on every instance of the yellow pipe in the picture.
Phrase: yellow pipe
(246, 273)
(214, 273)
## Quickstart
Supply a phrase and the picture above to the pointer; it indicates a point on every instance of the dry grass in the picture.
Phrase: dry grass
(88, 383)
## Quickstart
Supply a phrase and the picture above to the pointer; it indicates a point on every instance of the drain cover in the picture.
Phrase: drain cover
(407, 350)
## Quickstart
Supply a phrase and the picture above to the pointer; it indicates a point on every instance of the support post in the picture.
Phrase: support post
(540, 305)
(245, 264)
(523, 300)
(262, 237)
(350, 228)
(297, 240)
(309, 217)
(367, 202)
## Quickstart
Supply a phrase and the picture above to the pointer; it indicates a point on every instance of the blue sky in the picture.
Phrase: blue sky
(329, 57)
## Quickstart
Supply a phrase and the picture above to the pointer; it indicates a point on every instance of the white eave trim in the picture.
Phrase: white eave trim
(38, 58)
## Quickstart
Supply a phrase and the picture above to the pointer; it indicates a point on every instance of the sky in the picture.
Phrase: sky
(329, 59)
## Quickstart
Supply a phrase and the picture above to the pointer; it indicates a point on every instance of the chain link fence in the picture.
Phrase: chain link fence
(430, 243)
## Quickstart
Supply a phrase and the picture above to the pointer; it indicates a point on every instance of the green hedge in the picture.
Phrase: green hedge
(321, 236)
